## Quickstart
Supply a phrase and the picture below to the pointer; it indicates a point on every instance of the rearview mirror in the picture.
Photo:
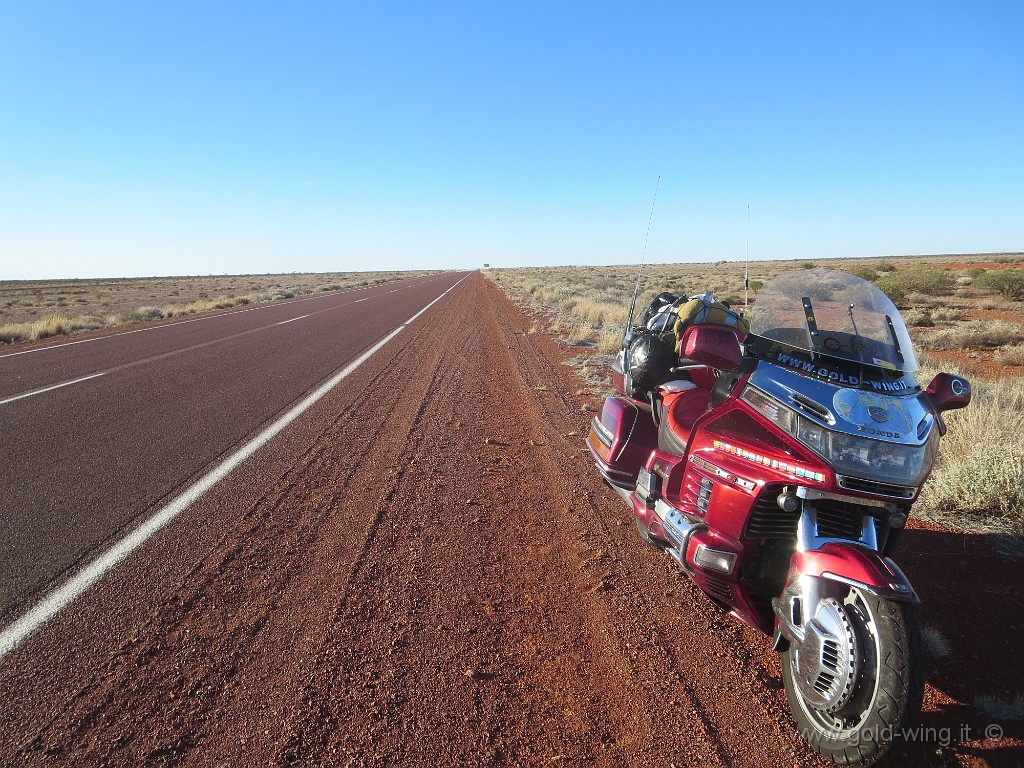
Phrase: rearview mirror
(949, 392)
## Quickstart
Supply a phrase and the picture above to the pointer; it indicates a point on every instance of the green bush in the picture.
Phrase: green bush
(885, 266)
(892, 290)
(924, 278)
(865, 273)
(1008, 283)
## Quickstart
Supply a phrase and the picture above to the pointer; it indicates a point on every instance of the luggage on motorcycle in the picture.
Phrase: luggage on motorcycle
(654, 309)
(716, 346)
(648, 353)
(704, 309)
(620, 440)
(648, 362)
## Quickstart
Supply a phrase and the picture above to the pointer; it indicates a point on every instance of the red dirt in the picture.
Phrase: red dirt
(439, 578)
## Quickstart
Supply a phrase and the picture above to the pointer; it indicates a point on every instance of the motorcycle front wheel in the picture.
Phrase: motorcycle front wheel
(867, 708)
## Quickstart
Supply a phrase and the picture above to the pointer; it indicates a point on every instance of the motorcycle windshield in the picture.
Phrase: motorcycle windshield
(834, 314)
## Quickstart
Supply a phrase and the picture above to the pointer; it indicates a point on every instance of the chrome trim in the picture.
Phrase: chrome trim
(812, 494)
(843, 481)
(627, 482)
(808, 539)
(679, 528)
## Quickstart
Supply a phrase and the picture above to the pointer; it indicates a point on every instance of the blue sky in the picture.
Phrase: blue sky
(198, 138)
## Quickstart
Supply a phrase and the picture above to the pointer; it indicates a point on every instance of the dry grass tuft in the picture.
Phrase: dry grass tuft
(47, 326)
(974, 334)
(1012, 355)
(947, 314)
(979, 476)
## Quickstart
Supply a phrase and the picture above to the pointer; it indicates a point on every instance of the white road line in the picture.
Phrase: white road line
(48, 389)
(17, 632)
(292, 320)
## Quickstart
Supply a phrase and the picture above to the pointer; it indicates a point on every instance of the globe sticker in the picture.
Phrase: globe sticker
(865, 409)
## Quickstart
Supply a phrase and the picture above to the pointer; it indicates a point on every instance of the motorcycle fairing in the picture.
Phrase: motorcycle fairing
(897, 417)
(857, 566)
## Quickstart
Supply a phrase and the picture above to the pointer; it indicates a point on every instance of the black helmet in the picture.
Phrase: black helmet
(649, 361)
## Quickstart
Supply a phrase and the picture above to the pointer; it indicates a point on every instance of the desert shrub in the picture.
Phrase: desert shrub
(978, 480)
(50, 325)
(144, 313)
(919, 318)
(609, 341)
(805, 265)
(86, 323)
(975, 272)
(946, 314)
(923, 278)
(865, 273)
(1011, 355)
(885, 266)
(756, 285)
(12, 332)
(893, 291)
(1008, 283)
(974, 334)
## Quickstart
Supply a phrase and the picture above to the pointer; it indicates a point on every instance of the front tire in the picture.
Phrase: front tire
(885, 689)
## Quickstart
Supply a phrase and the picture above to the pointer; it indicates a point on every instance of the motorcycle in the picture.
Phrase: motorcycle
(778, 469)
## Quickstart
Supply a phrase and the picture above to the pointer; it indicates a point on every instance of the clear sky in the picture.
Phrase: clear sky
(141, 138)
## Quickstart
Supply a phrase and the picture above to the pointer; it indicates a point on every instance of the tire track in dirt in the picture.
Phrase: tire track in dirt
(526, 643)
(684, 631)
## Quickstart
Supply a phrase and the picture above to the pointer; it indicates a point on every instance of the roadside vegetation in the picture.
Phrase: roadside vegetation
(978, 480)
(966, 318)
(32, 310)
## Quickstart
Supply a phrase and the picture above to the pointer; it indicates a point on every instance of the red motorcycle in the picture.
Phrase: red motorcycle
(778, 469)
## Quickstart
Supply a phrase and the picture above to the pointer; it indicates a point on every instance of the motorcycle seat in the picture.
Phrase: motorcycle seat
(679, 412)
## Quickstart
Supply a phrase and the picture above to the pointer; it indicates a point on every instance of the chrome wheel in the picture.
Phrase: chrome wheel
(856, 682)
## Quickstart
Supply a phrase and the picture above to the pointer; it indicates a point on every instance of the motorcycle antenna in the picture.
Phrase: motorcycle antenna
(639, 274)
(746, 269)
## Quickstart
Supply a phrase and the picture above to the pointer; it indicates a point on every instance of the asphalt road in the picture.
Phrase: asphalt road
(95, 434)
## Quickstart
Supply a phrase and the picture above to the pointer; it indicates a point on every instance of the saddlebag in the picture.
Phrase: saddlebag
(621, 438)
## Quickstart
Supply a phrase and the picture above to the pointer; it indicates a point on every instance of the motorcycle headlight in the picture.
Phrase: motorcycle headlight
(862, 457)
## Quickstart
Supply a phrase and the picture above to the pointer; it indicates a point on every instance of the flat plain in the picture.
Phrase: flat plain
(424, 569)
